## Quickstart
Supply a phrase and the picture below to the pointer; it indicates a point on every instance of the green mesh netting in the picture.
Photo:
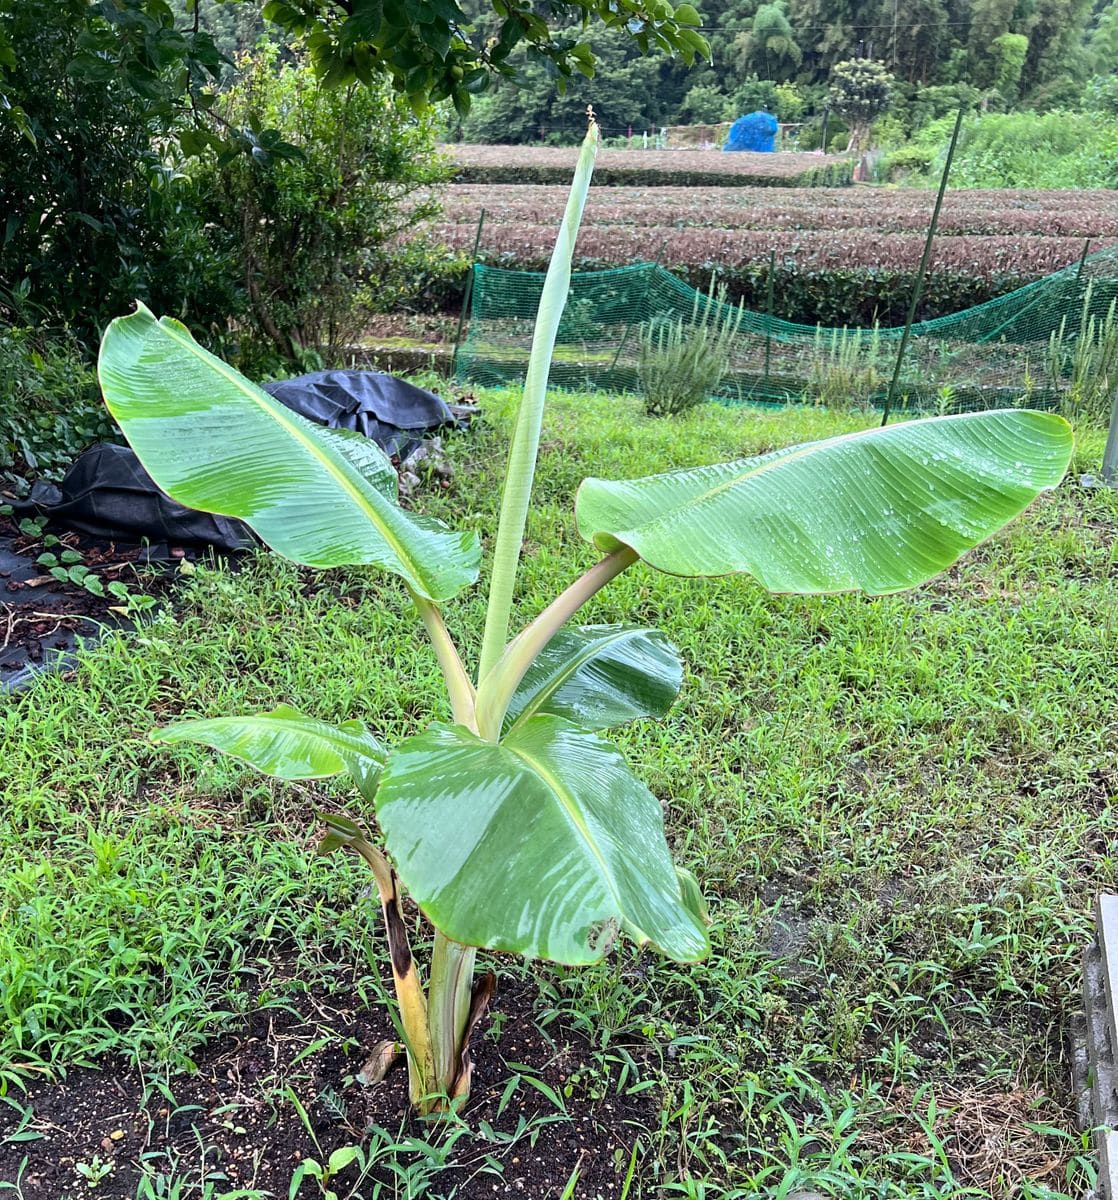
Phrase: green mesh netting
(1046, 345)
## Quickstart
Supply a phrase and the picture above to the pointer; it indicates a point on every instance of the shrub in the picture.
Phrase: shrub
(1029, 150)
(1083, 363)
(909, 160)
(314, 229)
(648, 168)
(682, 362)
(96, 209)
(51, 408)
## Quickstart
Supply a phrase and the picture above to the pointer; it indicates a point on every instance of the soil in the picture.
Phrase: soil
(234, 1123)
(41, 618)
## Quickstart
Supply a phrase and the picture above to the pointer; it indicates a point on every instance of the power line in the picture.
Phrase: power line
(840, 25)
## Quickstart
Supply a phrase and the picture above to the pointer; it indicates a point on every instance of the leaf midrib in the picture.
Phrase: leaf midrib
(333, 737)
(272, 409)
(779, 460)
(568, 805)
(584, 656)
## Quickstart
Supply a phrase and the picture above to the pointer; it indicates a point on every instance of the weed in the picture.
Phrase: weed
(682, 362)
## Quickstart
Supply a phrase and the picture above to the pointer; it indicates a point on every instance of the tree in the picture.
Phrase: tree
(704, 104)
(93, 215)
(1058, 54)
(917, 45)
(989, 19)
(835, 30)
(1009, 53)
(1103, 46)
(429, 49)
(629, 90)
(312, 231)
(860, 92)
(770, 47)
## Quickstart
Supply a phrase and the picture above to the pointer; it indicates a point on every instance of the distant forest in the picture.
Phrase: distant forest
(779, 55)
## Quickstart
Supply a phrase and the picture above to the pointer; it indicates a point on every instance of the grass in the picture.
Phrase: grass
(899, 809)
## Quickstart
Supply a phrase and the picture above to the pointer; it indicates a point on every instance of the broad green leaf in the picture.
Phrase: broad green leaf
(879, 511)
(288, 745)
(598, 676)
(212, 440)
(539, 845)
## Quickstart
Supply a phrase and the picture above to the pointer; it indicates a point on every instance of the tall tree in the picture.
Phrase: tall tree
(1009, 52)
(769, 48)
(1103, 44)
(916, 39)
(1056, 30)
(860, 92)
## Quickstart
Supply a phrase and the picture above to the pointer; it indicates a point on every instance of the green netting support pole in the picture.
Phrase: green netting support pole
(467, 295)
(1109, 474)
(1083, 260)
(769, 314)
(918, 287)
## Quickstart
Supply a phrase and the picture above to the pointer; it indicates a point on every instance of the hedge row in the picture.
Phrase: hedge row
(852, 279)
(1089, 214)
(533, 165)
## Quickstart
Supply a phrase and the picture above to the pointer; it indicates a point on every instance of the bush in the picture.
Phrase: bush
(648, 168)
(682, 363)
(51, 406)
(93, 218)
(314, 231)
(1028, 150)
(909, 160)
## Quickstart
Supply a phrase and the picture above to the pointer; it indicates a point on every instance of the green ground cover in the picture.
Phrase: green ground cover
(898, 809)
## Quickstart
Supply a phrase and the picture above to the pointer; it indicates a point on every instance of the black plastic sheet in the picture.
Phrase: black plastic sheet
(107, 493)
(109, 496)
(392, 412)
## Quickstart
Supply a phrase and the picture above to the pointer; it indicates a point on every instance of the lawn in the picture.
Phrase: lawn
(899, 810)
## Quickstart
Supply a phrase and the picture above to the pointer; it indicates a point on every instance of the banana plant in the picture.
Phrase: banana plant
(517, 826)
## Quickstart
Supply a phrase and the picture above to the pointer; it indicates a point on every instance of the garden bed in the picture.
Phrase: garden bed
(282, 1087)
(1002, 213)
(43, 619)
(635, 168)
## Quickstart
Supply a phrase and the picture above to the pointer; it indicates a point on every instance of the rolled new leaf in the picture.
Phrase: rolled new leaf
(877, 511)
(288, 745)
(598, 676)
(213, 440)
(539, 845)
(517, 492)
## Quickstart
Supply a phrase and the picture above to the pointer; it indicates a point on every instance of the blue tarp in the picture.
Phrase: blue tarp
(755, 131)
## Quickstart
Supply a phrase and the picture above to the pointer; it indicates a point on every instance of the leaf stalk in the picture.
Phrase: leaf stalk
(458, 685)
(496, 689)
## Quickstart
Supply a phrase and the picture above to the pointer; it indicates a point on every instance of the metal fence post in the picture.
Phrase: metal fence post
(918, 286)
(467, 296)
(1109, 474)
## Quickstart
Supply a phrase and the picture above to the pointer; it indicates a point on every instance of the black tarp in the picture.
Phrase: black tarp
(108, 494)
(392, 412)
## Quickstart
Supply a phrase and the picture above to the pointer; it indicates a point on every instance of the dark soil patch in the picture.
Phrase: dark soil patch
(43, 618)
(235, 1123)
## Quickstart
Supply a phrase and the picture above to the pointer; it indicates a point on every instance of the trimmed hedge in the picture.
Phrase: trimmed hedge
(649, 168)
(833, 298)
